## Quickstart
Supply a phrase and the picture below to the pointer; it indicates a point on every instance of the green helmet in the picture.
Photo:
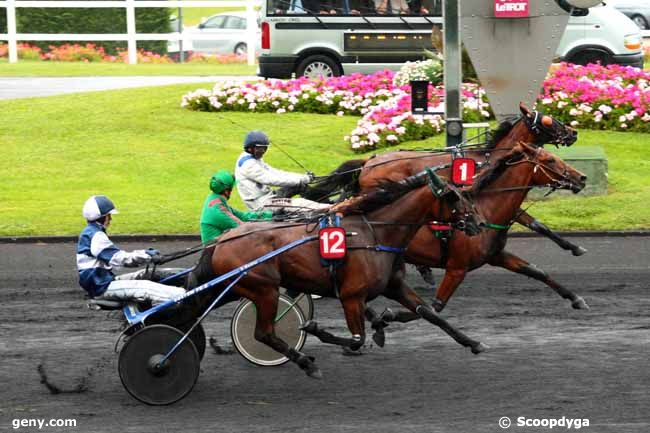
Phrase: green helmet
(221, 181)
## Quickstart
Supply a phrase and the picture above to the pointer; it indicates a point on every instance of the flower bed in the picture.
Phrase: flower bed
(384, 106)
(613, 97)
(91, 53)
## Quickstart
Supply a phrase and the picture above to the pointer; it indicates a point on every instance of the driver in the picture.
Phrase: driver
(97, 255)
(217, 216)
(255, 177)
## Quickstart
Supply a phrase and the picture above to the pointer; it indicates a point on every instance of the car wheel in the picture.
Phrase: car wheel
(318, 66)
(641, 22)
(591, 56)
(241, 49)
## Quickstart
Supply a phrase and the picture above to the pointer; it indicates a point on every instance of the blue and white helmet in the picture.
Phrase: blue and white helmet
(98, 206)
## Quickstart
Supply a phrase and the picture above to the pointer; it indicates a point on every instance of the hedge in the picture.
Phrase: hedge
(80, 20)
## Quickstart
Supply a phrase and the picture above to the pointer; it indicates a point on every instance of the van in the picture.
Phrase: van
(297, 40)
(601, 34)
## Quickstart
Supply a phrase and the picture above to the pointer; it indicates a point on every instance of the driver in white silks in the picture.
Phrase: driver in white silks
(255, 178)
(97, 255)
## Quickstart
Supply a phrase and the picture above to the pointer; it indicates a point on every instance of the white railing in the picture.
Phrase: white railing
(130, 36)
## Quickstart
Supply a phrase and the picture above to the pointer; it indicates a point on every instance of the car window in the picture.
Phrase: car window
(215, 22)
(235, 23)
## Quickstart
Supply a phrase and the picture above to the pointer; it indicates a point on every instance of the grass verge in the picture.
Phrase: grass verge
(154, 160)
(26, 68)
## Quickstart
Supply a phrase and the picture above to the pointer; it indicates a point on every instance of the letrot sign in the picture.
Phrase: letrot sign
(512, 44)
(510, 8)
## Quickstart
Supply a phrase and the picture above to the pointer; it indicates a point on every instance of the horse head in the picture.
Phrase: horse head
(546, 129)
(548, 169)
(462, 212)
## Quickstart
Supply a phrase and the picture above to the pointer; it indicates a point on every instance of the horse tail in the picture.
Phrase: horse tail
(345, 178)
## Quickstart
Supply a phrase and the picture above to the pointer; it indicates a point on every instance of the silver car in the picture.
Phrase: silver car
(637, 10)
(230, 25)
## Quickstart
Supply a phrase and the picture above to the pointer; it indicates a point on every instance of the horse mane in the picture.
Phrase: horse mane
(503, 129)
(495, 171)
(384, 194)
(344, 176)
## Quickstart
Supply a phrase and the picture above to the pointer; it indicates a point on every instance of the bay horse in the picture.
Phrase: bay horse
(532, 127)
(498, 192)
(380, 225)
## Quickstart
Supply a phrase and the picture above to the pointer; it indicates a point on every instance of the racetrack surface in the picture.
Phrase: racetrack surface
(545, 360)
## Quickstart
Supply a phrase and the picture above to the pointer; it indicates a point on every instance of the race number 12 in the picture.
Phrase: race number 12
(332, 243)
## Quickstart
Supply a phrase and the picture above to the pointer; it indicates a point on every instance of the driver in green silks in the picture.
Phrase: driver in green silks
(217, 216)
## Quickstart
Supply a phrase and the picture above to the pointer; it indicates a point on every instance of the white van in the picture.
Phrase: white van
(318, 38)
(601, 34)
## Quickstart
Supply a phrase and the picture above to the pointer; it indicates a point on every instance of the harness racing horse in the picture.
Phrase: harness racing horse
(390, 217)
(531, 127)
(497, 193)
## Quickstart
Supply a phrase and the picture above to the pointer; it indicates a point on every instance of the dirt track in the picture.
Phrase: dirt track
(545, 359)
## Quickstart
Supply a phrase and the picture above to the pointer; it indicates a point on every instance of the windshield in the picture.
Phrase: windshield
(355, 7)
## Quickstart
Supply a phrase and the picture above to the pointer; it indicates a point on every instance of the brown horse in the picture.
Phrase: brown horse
(390, 217)
(498, 193)
(531, 127)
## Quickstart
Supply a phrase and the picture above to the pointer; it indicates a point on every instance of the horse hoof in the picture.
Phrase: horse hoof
(349, 352)
(578, 251)
(314, 372)
(580, 304)
(379, 338)
(310, 327)
(480, 347)
(438, 305)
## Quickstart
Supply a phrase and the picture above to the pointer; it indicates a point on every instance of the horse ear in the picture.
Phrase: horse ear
(524, 109)
(547, 121)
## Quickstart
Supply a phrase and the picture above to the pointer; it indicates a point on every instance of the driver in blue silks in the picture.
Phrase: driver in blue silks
(97, 255)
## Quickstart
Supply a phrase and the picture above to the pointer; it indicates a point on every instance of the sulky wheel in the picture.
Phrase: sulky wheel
(305, 302)
(197, 336)
(242, 330)
(149, 381)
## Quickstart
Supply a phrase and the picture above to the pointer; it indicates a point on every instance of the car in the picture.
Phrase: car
(230, 25)
(602, 35)
(637, 10)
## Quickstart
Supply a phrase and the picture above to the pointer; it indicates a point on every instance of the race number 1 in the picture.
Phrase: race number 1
(463, 171)
(332, 243)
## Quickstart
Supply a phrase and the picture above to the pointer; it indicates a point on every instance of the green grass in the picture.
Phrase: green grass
(26, 68)
(154, 160)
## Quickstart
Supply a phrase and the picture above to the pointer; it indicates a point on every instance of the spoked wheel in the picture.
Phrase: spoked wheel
(287, 327)
(149, 380)
(305, 303)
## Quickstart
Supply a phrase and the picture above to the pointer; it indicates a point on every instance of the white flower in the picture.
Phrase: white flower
(622, 118)
(605, 109)
(252, 106)
(623, 125)
(281, 110)
(391, 137)
(339, 113)
(574, 123)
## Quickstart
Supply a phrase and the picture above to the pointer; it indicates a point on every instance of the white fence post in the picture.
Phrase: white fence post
(251, 26)
(130, 30)
(11, 30)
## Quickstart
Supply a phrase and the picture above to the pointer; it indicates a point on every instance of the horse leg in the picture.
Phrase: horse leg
(408, 298)
(516, 264)
(380, 321)
(266, 304)
(448, 286)
(354, 315)
(527, 220)
(427, 275)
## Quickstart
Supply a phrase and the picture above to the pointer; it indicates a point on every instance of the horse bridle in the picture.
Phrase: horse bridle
(558, 179)
(540, 130)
